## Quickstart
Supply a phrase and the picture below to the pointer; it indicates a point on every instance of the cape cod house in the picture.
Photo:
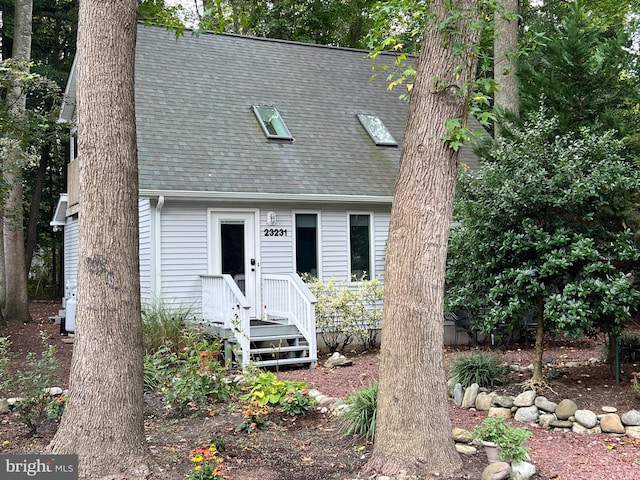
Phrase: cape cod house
(259, 160)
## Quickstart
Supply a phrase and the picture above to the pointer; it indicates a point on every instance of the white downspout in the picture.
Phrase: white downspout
(157, 248)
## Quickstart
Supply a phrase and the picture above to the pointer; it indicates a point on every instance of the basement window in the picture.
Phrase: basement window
(377, 130)
(271, 122)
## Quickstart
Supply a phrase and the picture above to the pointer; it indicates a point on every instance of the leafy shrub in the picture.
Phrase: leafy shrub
(485, 369)
(162, 325)
(267, 388)
(343, 314)
(629, 348)
(189, 374)
(359, 418)
(30, 384)
(297, 402)
(56, 408)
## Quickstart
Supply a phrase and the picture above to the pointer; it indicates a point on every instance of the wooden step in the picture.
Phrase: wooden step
(276, 338)
(275, 350)
(284, 361)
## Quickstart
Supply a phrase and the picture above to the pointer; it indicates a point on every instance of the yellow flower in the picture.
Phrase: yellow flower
(197, 468)
(212, 448)
(197, 459)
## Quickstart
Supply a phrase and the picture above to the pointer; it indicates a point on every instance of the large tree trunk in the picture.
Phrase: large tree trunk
(103, 421)
(505, 46)
(413, 431)
(16, 293)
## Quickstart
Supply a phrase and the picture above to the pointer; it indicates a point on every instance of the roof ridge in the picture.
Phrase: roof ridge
(196, 33)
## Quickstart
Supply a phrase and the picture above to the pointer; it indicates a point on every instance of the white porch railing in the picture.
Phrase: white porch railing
(224, 304)
(286, 296)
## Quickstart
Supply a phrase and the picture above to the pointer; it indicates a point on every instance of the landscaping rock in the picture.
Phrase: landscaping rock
(561, 424)
(4, 406)
(460, 435)
(499, 412)
(496, 471)
(579, 429)
(470, 394)
(466, 449)
(608, 409)
(522, 471)
(545, 419)
(503, 401)
(544, 404)
(586, 418)
(337, 360)
(611, 423)
(483, 401)
(54, 391)
(566, 408)
(458, 394)
(527, 414)
(525, 399)
(313, 393)
(631, 418)
(633, 432)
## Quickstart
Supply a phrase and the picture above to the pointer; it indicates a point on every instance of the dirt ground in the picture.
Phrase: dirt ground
(310, 448)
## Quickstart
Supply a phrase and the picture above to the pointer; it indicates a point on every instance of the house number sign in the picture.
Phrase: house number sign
(275, 232)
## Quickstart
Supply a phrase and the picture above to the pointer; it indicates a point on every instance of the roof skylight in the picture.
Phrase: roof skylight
(377, 130)
(271, 122)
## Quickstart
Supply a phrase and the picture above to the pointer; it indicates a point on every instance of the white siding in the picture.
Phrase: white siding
(335, 252)
(144, 211)
(381, 232)
(184, 254)
(71, 250)
(277, 252)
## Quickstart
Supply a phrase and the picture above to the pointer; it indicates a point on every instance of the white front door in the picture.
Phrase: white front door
(234, 247)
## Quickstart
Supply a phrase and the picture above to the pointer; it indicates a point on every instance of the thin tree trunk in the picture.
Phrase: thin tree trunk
(413, 431)
(16, 294)
(537, 378)
(505, 45)
(103, 420)
(34, 212)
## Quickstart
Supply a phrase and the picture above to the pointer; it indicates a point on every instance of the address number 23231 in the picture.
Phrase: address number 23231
(275, 232)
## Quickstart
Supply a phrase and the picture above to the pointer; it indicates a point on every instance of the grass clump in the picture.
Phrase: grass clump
(485, 369)
(359, 418)
(163, 325)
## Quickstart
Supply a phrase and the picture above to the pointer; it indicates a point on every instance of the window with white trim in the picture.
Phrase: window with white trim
(307, 244)
(360, 246)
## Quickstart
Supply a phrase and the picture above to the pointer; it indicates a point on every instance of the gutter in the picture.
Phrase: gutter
(157, 233)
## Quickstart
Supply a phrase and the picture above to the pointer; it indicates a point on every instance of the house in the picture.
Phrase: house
(259, 160)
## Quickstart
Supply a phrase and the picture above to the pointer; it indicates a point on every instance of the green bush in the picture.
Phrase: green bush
(267, 389)
(485, 369)
(191, 374)
(359, 418)
(297, 402)
(31, 383)
(344, 314)
(630, 348)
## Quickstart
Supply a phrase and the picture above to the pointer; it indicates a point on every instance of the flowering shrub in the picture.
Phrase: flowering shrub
(297, 402)
(56, 408)
(254, 417)
(267, 388)
(208, 464)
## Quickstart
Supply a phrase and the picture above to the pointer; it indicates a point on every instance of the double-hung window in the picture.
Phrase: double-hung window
(307, 243)
(360, 246)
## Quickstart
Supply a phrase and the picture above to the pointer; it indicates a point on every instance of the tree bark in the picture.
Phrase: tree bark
(413, 431)
(505, 46)
(16, 293)
(34, 212)
(103, 421)
(537, 378)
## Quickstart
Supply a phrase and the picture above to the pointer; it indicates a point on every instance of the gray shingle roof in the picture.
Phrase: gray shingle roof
(197, 132)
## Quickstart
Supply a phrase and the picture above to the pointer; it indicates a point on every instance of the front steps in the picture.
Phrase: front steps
(272, 344)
